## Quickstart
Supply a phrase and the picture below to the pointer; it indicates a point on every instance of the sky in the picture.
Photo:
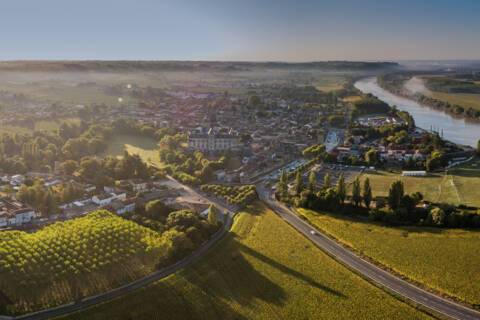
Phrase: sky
(241, 30)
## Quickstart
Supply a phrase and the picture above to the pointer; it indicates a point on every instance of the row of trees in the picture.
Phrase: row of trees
(397, 208)
(240, 196)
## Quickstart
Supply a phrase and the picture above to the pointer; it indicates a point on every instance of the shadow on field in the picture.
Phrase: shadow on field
(288, 270)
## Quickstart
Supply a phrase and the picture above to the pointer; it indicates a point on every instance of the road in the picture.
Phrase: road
(142, 282)
(367, 269)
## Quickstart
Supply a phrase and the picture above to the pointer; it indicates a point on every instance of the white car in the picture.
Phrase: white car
(313, 232)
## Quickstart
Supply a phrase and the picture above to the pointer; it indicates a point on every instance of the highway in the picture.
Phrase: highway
(393, 283)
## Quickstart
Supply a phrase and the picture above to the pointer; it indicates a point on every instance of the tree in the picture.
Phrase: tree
(478, 147)
(371, 157)
(367, 193)
(157, 210)
(341, 188)
(68, 167)
(212, 215)
(356, 192)
(298, 183)
(312, 181)
(282, 183)
(253, 101)
(437, 216)
(395, 194)
(435, 160)
(327, 181)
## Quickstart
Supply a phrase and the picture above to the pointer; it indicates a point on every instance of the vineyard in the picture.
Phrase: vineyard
(240, 196)
(73, 259)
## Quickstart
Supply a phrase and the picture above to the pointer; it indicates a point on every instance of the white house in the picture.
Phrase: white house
(105, 198)
(17, 180)
(418, 173)
(15, 213)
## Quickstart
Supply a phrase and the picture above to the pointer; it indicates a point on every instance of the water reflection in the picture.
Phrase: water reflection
(455, 130)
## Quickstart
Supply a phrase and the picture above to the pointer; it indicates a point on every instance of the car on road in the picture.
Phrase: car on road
(313, 232)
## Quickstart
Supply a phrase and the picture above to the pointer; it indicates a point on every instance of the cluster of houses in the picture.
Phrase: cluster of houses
(119, 199)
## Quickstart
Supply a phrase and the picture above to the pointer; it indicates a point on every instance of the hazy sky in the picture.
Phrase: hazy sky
(299, 30)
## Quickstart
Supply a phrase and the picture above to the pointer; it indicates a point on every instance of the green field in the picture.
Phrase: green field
(463, 99)
(47, 125)
(68, 260)
(145, 147)
(459, 185)
(263, 270)
(443, 259)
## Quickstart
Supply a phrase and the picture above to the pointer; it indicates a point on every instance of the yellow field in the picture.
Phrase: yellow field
(352, 99)
(462, 99)
(263, 270)
(459, 186)
(442, 259)
(145, 147)
(329, 83)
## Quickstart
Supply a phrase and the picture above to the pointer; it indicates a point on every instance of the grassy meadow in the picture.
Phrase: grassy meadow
(264, 269)
(460, 185)
(443, 259)
(69, 260)
(463, 99)
(145, 147)
(329, 83)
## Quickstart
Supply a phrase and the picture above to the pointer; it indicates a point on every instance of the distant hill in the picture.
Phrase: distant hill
(112, 66)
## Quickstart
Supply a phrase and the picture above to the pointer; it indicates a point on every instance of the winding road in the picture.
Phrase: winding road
(385, 279)
(142, 282)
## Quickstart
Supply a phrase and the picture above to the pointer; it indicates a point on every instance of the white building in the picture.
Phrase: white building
(15, 213)
(105, 198)
(419, 173)
(214, 140)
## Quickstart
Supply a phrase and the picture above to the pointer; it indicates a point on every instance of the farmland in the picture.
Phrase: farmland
(328, 83)
(468, 100)
(439, 258)
(72, 259)
(458, 186)
(264, 269)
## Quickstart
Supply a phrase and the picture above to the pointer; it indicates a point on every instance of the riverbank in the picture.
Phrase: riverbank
(455, 130)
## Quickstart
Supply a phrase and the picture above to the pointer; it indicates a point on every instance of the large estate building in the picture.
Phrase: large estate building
(214, 140)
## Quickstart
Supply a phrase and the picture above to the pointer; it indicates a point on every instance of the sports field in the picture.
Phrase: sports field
(459, 185)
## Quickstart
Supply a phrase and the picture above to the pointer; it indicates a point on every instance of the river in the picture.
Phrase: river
(455, 130)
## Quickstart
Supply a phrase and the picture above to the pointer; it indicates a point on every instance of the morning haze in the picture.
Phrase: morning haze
(237, 160)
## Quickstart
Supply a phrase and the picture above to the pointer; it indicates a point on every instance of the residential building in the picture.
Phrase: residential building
(105, 198)
(15, 213)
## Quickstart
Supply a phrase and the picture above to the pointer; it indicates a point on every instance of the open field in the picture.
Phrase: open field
(263, 270)
(102, 87)
(352, 99)
(145, 147)
(69, 260)
(329, 83)
(459, 185)
(47, 125)
(463, 99)
(443, 259)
